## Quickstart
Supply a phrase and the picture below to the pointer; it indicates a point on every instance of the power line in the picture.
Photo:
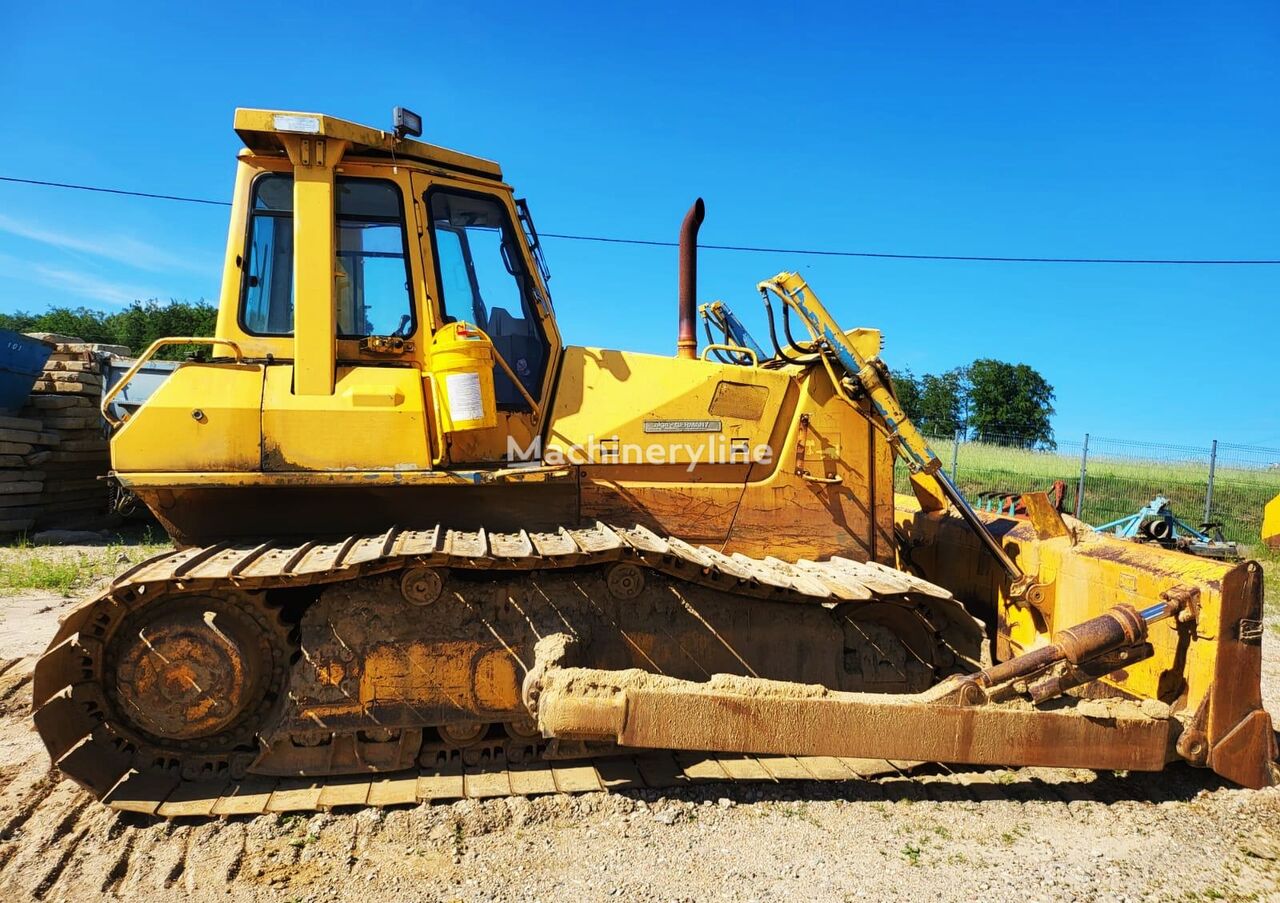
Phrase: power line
(812, 252)
(132, 194)
(887, 256)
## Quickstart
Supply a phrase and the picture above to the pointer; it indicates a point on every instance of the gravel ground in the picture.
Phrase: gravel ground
(938, 834)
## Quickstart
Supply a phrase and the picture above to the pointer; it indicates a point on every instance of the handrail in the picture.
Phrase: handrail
(155, 346)
(734, 349)
(506, 368)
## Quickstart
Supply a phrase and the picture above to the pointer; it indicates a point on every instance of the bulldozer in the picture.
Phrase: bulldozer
(424, 548)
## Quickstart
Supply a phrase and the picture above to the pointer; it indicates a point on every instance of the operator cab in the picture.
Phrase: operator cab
(351, 248)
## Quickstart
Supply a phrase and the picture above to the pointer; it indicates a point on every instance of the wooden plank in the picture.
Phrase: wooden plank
(344, 790)
(193, 799)
(442, 783)
(18, 501)
(399, 789)
(294, 795)
(86, 422)
(71, 364)
(16, 448)
(141, 792)
(78, 377)
(65, 345)
(532, 779)
(575, 777)
(58, 402)
(64, 387)
(21, 423)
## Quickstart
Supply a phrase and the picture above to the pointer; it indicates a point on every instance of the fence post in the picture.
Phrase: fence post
(1084, 465)
(1208, 493)
(955, 453)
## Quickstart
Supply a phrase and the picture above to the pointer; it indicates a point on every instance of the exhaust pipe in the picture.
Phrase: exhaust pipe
(687, 338)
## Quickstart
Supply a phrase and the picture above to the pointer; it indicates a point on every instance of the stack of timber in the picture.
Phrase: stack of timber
(54, 453)
(25, 448)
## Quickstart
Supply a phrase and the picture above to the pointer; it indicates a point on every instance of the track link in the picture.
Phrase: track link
(130, 770)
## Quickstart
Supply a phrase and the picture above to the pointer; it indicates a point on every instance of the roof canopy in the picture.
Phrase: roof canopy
(260, 131)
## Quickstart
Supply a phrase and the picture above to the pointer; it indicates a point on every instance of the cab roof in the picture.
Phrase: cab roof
(260, 131)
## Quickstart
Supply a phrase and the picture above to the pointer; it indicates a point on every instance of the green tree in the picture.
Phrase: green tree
(942, 402)
(1010, 403)
(906, 385)
(135, 327)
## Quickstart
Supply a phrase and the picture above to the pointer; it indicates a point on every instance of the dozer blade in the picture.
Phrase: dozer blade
(747, 715)
(1014, 713)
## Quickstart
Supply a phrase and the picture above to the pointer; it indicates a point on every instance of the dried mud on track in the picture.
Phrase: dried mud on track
(941, 834)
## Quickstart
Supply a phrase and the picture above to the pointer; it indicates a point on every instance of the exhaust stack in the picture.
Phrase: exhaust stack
(687, 338)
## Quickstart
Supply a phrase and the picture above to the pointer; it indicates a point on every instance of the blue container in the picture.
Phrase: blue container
(138, 389)
(22, 360)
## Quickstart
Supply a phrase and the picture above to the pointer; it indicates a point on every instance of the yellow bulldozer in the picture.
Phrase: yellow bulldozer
(422, 543)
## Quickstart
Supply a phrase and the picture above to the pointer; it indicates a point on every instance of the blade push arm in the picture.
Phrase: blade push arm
(871, 375)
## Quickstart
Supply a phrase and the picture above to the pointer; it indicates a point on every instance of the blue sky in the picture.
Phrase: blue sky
(1016, 129)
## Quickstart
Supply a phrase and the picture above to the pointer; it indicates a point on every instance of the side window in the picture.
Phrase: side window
(267, 308)
(371, 270)
(483, 280)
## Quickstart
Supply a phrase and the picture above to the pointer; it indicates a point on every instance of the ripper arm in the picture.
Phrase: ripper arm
(869, 374)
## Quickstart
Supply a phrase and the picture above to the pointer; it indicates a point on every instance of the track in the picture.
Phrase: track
(1010, 832)
(78, 717)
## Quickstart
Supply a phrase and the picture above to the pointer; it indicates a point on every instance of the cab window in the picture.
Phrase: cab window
(371, 269)
(484, 280)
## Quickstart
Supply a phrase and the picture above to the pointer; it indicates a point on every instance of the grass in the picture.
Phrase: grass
(63, 570)
(798, 811)
(1117, 486)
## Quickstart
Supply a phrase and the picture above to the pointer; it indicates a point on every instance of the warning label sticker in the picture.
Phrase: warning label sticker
(463, 392)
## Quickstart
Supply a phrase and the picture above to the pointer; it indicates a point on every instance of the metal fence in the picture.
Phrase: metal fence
(1105, 479)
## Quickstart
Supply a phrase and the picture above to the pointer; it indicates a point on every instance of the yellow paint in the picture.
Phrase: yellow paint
(461, 477)
(1088, 573)
(462, 374)
(1271, 523)
(204, 417)
(344, 430)
(264, 130)
(461, 676)
(620, 401)
(314, 240)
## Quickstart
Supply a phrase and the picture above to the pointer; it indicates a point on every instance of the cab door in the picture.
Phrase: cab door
(480, 269)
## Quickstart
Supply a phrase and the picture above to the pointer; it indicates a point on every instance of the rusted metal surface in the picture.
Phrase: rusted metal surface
(687, 337)
(644, 710)
(384, 682)
(377, 687)
(1238, 731)
(189, 669)
(197, 515)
